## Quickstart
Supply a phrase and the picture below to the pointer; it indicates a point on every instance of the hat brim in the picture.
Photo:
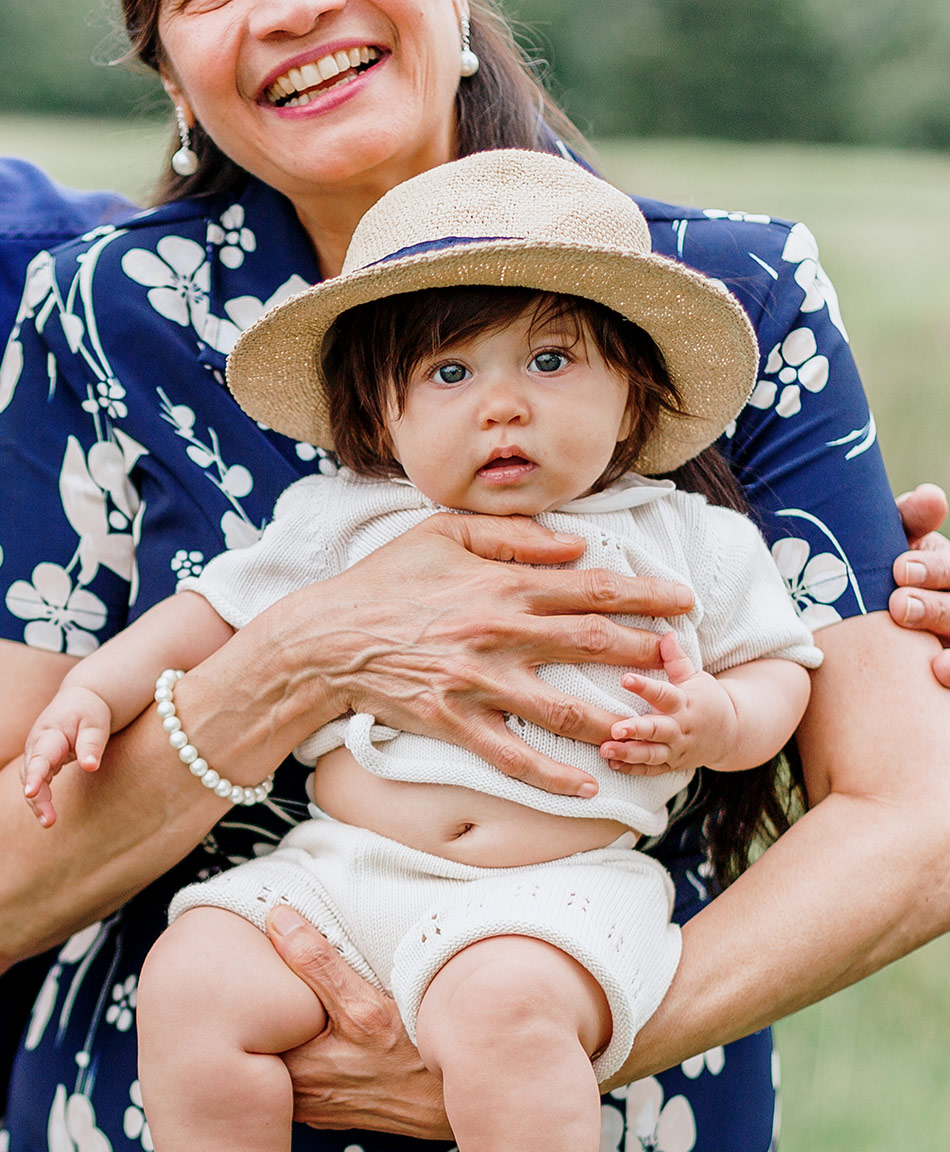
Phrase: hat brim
(703, 332)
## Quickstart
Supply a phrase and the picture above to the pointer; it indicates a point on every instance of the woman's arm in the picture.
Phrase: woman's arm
(425, 633)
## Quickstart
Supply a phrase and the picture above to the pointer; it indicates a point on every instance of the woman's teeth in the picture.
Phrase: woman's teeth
(297, 86)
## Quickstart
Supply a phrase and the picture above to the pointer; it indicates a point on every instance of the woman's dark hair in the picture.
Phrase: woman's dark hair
(368, 358)
(503, 105)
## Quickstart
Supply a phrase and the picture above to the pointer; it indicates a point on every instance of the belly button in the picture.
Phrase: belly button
(461, 830)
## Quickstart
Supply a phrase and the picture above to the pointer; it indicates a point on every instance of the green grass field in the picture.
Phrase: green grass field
(869, 1069)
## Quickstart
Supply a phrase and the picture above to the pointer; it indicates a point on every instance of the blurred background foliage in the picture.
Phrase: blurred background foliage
(856, 71)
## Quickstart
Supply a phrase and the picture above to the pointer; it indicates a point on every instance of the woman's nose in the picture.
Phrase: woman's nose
(289, 17)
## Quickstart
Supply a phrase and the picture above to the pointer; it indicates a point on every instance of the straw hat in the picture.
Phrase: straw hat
(511, 218)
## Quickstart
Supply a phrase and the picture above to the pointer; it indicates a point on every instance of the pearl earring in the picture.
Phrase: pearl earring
(185, 160)
(469, 62)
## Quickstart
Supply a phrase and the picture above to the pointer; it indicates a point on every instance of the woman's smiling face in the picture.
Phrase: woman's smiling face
(318, 94)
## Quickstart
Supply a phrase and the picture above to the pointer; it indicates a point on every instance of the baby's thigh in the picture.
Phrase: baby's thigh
(511, 986)
(213, 972)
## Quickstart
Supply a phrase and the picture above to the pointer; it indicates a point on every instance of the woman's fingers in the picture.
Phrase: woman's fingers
(516, 538)
(490, 738)
(522, 540)
(922, 600)
(922, 511)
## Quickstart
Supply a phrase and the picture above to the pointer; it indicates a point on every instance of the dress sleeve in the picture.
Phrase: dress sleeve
(805, 446)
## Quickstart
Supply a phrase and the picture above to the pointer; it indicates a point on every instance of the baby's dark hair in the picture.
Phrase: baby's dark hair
(372, 350)
(368, 358)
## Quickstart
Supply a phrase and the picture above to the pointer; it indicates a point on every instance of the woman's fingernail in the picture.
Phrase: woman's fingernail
(684, 598)
(586, 791)
(915, 573)
(284, 920)
(567, 538)
(913, 610)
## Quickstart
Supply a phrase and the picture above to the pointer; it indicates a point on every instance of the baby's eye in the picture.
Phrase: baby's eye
(450, 373)
(549, 361)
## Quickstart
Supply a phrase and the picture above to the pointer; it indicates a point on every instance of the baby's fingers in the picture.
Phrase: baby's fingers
(676, 664)
(90, 744)
(651, 728)
(38, 795)
(659, 694)
(636, 757)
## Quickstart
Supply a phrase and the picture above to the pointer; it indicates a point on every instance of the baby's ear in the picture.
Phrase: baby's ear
(626, 426)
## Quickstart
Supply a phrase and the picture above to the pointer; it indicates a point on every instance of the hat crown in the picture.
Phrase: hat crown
(499, 195)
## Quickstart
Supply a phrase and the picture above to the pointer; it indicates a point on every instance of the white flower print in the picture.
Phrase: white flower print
(777, 1086)
(76, 948)
(737, 217)
(62, 618)
(185, 563)
(72, 1125)
(234, 480)
(177, 278)
(232, 236)
(801, 248)
(121, 1012)
(713, 1061)
(326, 465)
(813, 582)
(102, 506)
(796, 364)
(110, 396)
(651, 1124)
(239, 532)
(38, 289)
(242, 311)
(134, 1123)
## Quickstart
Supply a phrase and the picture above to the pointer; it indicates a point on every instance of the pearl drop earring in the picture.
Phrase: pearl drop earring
(185, 160)
(469, 62)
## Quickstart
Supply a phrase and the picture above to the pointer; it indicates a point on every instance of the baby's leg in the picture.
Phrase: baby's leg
(510, 1024)
(216, 1006)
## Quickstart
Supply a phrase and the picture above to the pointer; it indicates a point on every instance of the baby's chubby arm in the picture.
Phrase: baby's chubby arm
(111, 687)
(735, 720)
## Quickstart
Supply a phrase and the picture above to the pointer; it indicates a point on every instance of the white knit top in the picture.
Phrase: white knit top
(323, 525)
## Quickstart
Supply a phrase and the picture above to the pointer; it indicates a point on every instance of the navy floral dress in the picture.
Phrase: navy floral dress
(126, 465)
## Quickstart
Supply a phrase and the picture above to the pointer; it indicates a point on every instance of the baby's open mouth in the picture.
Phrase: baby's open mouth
(301, 85)
(504, 462)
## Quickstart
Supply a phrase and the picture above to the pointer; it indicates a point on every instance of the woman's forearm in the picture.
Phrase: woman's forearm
(127, 824)
(857, 883)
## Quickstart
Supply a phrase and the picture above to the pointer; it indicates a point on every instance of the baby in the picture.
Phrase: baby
(501, 341)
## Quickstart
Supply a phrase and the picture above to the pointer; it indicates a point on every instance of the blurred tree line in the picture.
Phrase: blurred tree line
(858, 71)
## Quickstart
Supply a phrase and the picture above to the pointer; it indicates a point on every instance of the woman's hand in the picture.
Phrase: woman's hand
(922, 601)
(431, 634)
(362, 1071)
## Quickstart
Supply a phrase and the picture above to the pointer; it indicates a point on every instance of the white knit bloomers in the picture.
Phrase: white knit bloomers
(397, 914)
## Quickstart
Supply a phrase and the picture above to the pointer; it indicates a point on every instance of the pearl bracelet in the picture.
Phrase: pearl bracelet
(188, 753)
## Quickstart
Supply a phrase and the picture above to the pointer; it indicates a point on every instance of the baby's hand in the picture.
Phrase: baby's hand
(75, 726)
(693, 722)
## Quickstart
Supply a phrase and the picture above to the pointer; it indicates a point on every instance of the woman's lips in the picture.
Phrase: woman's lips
(303, 83)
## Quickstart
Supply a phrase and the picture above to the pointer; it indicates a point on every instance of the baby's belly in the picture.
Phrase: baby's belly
(452, 822)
